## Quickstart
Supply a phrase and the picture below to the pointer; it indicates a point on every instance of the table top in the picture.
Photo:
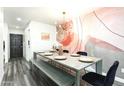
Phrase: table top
(72, 62)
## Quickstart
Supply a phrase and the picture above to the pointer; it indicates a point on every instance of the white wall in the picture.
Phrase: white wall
(36, 44)
(1, 44)
(6, 39)
(26, 46)
(16, 31)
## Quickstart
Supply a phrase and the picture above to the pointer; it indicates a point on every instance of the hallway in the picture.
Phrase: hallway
(18, 73)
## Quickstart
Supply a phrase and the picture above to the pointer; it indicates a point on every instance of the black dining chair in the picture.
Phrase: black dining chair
(100, 80)
(82, 53)
(57, 49)
(65, 51)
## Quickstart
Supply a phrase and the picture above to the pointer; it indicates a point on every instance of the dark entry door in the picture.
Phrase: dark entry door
(16, 46)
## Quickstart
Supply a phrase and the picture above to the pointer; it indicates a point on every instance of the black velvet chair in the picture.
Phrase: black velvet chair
(57, 49)
(82, 53)
(65, 51)
(100, 80)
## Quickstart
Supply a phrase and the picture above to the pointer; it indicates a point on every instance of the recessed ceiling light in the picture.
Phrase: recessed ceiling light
(18, 19)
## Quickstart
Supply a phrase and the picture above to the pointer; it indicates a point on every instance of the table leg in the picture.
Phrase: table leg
(77, 81)
(35, 55)
(99, 67)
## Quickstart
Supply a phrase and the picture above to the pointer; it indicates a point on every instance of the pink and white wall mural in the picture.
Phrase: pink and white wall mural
(105, 24)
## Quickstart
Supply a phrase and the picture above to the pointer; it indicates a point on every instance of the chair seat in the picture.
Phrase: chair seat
(82, 53)
(65, 51)
(94, 79)
(100, 80)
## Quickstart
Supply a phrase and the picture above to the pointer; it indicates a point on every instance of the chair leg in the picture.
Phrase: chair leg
(85, 71)
(84, 83)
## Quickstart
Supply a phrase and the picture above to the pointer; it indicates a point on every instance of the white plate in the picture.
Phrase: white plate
(75, 55)
(48, 54)
(60, 57)
(41, 52)
(52, 50)
(86, 59)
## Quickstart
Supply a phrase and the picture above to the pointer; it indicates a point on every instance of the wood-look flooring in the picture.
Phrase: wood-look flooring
(18, 73)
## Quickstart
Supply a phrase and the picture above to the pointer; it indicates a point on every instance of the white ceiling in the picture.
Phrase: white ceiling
(41, 14)
(48, 11)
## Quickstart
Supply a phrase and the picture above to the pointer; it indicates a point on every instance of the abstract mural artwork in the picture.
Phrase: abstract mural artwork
(106, 23)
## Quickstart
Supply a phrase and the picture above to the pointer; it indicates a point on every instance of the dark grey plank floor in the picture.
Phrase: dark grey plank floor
(18, 73)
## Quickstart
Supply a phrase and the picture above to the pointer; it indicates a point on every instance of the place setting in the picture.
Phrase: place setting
(86, 59)
(52, 50)
(75, 55)
(48, 54)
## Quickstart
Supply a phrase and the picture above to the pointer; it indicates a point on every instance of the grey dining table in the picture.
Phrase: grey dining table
(74, 63)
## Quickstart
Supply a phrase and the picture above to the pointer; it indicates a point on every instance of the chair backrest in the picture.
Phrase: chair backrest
(57, 49)
(82, 53)
(65, 51)
(110, 77)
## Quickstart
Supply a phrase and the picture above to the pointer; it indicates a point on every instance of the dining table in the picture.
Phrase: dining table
(76, 63)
